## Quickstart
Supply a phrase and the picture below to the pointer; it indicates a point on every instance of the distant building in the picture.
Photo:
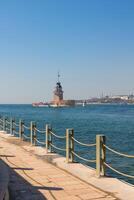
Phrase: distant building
(131, 97)
(122, 97)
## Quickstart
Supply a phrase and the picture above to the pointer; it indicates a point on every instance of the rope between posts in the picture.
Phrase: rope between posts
(118, 172)
(16, 124)
(25, 136)
(57, 136)
(83, 144)
(57, 147)
(39, 141)
(93, 161)
(116, 152)
(16, 132)
(26, 127)
(40, 131)
(7, 122)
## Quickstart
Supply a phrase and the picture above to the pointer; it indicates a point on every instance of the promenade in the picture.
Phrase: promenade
(32, 178)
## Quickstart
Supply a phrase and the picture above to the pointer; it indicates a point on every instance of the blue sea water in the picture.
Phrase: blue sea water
(116, 122)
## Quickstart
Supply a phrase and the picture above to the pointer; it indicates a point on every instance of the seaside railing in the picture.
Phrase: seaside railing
(30, 133)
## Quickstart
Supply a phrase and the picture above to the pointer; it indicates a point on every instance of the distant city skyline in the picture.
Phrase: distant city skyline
(90, 42)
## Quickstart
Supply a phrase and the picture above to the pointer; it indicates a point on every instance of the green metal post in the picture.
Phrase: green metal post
(67, 146)
(47, 135)
(48, 139)
(100, 155)
(0, 123)
(21, 131)
(103, 155)
(71, 145)
(31, 134)
(4, 124)
(7, 125)
(34, 133)
(11, 126)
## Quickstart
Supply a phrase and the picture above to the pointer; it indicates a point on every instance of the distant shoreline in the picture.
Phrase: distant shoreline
(80, 104)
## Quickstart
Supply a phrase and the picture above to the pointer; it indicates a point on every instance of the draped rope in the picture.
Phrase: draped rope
(117, 171)
(57, 136)
(83, 144)
(40, 131)
(57, 147)
(78, 156)
(39, 141)
(116, 152)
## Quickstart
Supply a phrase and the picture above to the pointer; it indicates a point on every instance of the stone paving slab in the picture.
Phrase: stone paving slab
(33, 179)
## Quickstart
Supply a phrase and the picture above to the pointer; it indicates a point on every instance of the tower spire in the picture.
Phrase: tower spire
(58, 76)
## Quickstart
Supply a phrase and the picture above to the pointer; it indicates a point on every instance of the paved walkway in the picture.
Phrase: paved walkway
(31, 178)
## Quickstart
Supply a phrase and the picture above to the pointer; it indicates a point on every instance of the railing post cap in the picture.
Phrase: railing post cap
(32, 122)
(70, 129)
(49, 126)
(100, 135)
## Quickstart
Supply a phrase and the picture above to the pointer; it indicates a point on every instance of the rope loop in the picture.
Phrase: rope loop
(17, 133)
(26, 127)
(57, 136)
(57, 147)
(117, 171)
(39, 141)
(25, 136)
(8, 122)
(83, 144)
(78, 156)
(16, 124)
(116, 152)
(40, 131)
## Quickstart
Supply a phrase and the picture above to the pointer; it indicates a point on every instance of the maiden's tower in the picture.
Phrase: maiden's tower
(58, 94)
(58, 100)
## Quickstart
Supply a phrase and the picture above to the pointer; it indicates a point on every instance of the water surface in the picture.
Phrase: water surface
(114, 121)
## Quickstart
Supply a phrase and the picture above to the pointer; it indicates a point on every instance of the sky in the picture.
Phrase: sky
(91, 43)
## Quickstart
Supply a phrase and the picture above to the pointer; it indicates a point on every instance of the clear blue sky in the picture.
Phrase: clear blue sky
(91, 42)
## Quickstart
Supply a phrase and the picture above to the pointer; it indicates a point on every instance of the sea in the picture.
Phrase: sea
(116, 122)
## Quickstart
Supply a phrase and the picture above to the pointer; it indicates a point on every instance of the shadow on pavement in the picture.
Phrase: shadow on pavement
(21, 189)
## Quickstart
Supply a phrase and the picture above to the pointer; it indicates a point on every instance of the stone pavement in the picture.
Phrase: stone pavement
(31, 178)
